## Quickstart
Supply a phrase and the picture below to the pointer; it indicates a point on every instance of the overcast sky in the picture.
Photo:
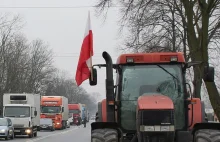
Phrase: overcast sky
(63, 29)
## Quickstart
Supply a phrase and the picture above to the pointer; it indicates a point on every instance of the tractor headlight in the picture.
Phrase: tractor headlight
(149, 128)
(165, 128)
(158, 128)
(130, 60)
(173, 59)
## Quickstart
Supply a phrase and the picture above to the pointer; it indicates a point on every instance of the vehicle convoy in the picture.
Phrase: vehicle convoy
(150, 101)
(24, 111)
(75, 114)
(55, 108)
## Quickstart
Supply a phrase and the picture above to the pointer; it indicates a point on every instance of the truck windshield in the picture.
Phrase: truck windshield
(50, 109)
(74, 111)
(17, 111)
(147, 80)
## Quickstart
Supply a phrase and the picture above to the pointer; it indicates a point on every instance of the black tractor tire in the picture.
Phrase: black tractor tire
(207, 135)
(104, 135)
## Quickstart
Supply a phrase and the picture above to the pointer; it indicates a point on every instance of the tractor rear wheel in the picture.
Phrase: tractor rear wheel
(104, 135)
(207, 135)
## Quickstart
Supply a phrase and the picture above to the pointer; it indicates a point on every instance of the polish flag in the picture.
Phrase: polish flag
(85, 58)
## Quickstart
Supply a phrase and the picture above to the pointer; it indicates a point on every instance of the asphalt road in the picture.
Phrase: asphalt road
(74, 133)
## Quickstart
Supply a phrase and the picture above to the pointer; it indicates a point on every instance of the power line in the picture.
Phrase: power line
(75, 56)
(50, 7)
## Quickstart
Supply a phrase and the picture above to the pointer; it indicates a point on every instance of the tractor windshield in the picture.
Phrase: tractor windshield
(150, 79)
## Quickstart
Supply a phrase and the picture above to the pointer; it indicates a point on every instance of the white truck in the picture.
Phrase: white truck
(80, 110)
(24, 111)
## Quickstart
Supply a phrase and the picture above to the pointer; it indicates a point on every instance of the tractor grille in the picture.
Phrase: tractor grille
(157, 117)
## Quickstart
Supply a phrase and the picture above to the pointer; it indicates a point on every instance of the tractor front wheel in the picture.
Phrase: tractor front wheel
(104, 135)
(207, 135)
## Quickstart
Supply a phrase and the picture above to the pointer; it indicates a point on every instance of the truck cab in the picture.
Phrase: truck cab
(75, 114)
(23, 110)
(55, 108)
(83, 113)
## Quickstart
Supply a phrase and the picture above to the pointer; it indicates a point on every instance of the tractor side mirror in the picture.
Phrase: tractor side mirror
(209, 74)
(190, 64)
(93, 77)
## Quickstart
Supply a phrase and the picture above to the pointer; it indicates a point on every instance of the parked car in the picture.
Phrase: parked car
(68, 124)
(6, 128)
(46, 124)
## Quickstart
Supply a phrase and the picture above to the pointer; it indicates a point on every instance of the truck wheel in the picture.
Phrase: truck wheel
(12, 137)
(31, 135)
(35, 134)
(104, 135)
(65, 124)
(207, 135)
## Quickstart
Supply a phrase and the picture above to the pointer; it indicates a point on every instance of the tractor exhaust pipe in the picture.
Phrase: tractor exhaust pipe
(109, 82)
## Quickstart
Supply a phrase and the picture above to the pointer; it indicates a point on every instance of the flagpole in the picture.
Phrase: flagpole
(91, 66)
(91, 71)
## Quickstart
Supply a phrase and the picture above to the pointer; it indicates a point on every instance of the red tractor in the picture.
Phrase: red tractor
(150, 101)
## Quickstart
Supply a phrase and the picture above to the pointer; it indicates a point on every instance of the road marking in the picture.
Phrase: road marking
(43, 137)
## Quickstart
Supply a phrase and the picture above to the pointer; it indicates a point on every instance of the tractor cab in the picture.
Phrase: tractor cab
(146, 82)
(149, 100)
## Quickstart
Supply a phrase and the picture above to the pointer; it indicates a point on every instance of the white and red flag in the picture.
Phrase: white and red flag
(85, 59)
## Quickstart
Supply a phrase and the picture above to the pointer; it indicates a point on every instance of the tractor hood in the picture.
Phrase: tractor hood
(155, 101)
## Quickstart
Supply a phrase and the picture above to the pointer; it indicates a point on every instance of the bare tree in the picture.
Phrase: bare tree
(61, 85)
(24, 66)
(9, 25)
(40, 65)
(27, 67)
(191, 25)
(16, 64)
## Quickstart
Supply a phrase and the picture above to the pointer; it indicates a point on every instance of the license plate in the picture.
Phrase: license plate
(16, 130)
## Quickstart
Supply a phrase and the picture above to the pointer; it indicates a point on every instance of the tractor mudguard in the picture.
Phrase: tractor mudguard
(103, 125)
(198, 126)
